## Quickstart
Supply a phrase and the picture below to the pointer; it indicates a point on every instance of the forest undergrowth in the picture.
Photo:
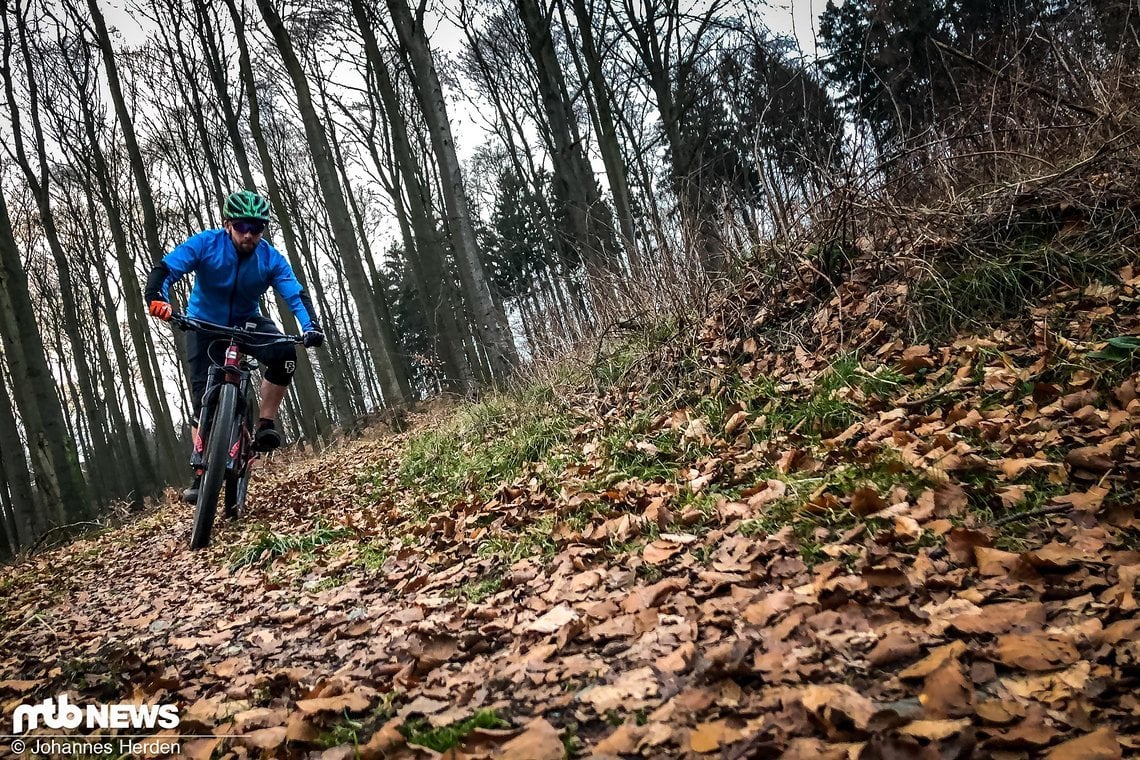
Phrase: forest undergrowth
(844, 517)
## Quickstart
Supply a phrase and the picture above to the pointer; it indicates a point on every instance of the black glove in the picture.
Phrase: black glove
(313, 338)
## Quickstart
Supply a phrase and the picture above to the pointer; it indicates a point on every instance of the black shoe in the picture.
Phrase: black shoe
(267, 438)
(190, 495)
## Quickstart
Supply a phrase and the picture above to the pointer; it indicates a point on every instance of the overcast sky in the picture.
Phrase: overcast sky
(796, 18)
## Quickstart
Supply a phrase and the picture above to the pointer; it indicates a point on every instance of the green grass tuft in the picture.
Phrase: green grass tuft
(419, 732)
(487, 443)
(269, 546)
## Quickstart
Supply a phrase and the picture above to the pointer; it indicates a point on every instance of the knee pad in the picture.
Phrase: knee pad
(281, 363)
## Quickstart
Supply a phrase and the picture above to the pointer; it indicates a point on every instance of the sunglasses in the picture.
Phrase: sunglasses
(249, 228)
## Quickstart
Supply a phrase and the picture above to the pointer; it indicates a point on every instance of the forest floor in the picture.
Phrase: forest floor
(721, 545)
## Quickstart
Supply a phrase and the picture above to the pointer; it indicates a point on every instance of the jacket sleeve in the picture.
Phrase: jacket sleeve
(173, 267)
(289, 288)
(156, 283)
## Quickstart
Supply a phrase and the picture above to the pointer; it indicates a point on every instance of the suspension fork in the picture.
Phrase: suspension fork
(230, 373)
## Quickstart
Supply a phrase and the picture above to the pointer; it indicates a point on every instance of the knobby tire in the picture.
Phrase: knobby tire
(217, 457)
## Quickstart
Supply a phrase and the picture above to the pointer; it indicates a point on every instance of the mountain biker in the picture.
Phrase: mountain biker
(233, 268)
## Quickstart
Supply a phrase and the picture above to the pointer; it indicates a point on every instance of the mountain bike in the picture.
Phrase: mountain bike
(224, 448)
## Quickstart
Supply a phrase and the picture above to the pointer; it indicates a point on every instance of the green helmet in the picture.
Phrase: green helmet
(246, 204)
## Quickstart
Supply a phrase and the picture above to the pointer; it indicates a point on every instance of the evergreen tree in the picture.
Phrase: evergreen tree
(517, 245)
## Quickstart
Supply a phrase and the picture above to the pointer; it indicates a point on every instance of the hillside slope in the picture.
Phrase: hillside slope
(722, 544)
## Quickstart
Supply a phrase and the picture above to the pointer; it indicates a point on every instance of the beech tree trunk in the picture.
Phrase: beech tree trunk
(425, 255)
(157, 400)
(341, 404)
(380, 351)
(490, 323)
(58, 477)
(586, 216)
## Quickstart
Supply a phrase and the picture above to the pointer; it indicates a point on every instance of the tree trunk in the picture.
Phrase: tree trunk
(606, 129)
(163, 428)
(585, 214)
(425, 255)
(333, 195)
(58, 477)
(14, 468)
(38, 180)
(379, 301)
(490, 323)
(208, 35)
(310, 396)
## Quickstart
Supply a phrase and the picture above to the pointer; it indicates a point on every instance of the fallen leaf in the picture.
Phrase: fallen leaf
(836, 704)
(623, 740)
(998, 712)
(264, 738)
(1013, 468)
(711, 736)
(646, 597)
(19, 687)
(200, 749)
(935, 730)
(261, 717)
(1053, 687)
(772, 490)
(934, 660)
(1035, 651)
(1099, 745)
(947, 693)
(1001, 617)
(1090, 458)
(734, 422)
(354, 702)
(762, 612)
(995, 562)
(538, 741)
(962, 543)
(1054, 556)
(907, 527)
(630, 689)
(1032, 732)
(867, 501)
(892, 648)
(382, 743)
(660, 551)
(554, 619)
(1089, 501)
(680, 659)
(299, 729)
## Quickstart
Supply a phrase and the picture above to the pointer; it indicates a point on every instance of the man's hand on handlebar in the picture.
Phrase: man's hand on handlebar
(313, 338)
(160, 310)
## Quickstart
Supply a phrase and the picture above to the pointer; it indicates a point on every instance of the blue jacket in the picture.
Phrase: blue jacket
(227, 287)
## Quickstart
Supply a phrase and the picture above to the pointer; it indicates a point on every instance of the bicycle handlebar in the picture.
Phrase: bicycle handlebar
(184, 322)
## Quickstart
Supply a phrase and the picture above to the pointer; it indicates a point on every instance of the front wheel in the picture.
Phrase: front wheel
(217, 456)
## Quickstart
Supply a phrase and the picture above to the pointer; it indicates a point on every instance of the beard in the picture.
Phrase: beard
(244, 247)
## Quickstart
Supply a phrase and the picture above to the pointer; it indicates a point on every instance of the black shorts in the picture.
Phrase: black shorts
(278, 360)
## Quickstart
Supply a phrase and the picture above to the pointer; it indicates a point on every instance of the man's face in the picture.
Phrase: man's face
(246, 233)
